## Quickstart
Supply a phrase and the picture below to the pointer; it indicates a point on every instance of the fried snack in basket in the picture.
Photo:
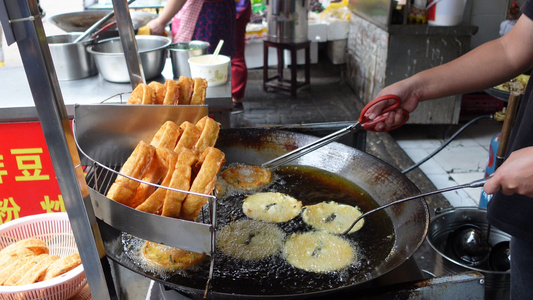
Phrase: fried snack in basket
(19, 272)
(211, 160)
(181, 180)
(154, 203)
(191, 134)
(186, 86)
(62, 266)
(123, 189)
(37, 272)
(142, 94)
(160, 91)
(172, 95)
(208, 138)
(198, 93)
(7, 259)
(37, 246)
(13, 266)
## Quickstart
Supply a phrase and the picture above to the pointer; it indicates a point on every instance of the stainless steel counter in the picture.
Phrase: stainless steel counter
(17, 104)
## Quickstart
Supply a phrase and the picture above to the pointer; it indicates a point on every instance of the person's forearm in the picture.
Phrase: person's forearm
(171, 9)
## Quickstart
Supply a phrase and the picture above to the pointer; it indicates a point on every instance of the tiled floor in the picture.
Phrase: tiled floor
(462, 161)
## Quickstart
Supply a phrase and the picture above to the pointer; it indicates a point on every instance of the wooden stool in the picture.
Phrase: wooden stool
(278, 82)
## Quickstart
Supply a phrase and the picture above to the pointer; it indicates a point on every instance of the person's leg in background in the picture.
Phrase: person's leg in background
(239, 71)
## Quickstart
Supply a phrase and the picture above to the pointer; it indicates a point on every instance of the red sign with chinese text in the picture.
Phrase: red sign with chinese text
(28, 184)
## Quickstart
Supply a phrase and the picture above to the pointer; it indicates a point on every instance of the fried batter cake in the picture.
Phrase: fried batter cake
(271, 207)
(246, 177)
(169, 258)
(318, 252)
(250, 240)
(332, 217)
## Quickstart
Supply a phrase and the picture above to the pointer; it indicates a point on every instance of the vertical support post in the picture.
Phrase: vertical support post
(129, 43)
(22, 21)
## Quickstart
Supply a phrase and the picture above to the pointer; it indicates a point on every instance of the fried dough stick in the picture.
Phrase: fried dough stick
(211, 160)
(198, 93)
(123, 189)
(142, 94)
(167, 136)
(181, 180)
(172, 96)
(208, 138)
(154, 203)
(160, 91)
(186, 85)
(191, 134)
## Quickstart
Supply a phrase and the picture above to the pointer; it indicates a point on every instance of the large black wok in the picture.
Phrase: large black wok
(82, 20)
(408, 221)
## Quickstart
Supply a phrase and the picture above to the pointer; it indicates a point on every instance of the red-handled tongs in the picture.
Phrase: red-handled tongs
(363, 123)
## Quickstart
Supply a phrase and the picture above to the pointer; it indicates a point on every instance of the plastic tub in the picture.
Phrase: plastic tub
(215, 73)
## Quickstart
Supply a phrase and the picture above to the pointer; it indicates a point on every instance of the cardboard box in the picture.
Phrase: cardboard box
(337, 51)
(300, 55)
(317, 32)
(338, 30)
(253, 54)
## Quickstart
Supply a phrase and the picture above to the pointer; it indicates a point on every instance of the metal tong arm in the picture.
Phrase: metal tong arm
(292, 155)
(96, 25)
(473, 184)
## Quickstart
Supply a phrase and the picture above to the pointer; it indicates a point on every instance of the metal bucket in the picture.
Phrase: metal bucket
(440, 233)
(71, 60)
(287, 21)
(180, 54)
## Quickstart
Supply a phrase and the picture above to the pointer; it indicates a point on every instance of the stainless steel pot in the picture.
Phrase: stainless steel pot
(442, 227)
(287, 21)
(180, 54)
(111, 63)
(71, 60)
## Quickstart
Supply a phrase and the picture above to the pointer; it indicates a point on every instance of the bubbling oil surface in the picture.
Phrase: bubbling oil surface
(272, 275)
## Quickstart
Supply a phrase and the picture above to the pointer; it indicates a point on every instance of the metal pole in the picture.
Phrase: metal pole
(129, 44)
(22, 23)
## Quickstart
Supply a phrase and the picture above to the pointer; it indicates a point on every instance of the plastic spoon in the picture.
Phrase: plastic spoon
(217, 50)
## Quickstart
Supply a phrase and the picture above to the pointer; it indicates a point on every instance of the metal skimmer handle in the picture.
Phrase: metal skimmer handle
(290, 156)
(473, 184)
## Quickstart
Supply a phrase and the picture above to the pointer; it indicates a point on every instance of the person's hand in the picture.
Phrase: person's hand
(409, 102)
(157, 27)
(514, 176)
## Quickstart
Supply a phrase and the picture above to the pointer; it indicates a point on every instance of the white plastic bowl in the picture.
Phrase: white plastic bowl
(55, 230)
(215, 73)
